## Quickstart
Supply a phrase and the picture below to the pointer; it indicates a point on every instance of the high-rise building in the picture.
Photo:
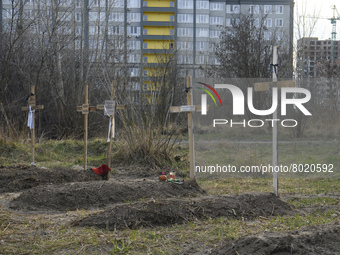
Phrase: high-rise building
(148, 32)
(317, 58)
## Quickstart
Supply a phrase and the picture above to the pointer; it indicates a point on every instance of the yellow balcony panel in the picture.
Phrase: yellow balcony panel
(154, 71)
(163, 4)
(156, 58)
(153, 30)
(158, 44)
(159, 16)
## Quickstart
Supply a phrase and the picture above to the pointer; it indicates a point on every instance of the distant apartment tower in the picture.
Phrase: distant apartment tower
(146, 32)
(317, 58)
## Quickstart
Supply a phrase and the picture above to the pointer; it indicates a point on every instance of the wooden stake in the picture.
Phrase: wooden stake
(85, 112)
(190, 130)
(32, 106)
(113, 97)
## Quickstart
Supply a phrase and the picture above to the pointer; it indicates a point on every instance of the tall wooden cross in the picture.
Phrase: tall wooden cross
(189, 108)
(31, 117)
(86, 109)
(267, 86)
(110, 108)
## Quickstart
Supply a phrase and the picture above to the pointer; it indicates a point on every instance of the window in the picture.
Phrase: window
(185, 4)
(202, 18)
(230, 22)
(145, 31)
(254, 9)
(215, 33)
(133, 31)
(268, 22)
(118, 4)
(185, 18)
(171, 32)
(133, 3)
(255, 22)
(145, 45)
(117, 17)
(172, 4)
(145, 4)
(134, 72)
(145, 17)
(171, 45)
(184, 45)
(133, 17)
(185, 32)
(267, 35)
(116, 30)
(145, 60)
(133, 45)
(278, 36)
(202, 5)
(233, 8)
(133, 58)
(200, 59)
(216, 6)
(216, 20)
(78, 16)
(279, 9)
(145, 72)
(172, 18)
(201, 46)
(268, 9)
(279, 22)
(202, 32)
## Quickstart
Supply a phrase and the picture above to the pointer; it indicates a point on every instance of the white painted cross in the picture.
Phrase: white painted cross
(266, 86)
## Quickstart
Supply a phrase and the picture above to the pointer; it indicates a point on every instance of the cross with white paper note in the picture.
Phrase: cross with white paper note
(31, 117)
(189, 108)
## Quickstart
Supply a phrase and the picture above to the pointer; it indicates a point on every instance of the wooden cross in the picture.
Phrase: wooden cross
(266, 86)
(189, 108)
(110, 110)
(86, 109)
(32, 107)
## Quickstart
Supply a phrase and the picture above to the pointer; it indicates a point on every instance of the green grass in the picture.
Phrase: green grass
(54, 153)
(226, 153)
(224, 186)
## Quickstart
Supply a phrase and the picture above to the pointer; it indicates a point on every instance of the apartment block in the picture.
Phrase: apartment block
(315, 57)
(146, 33)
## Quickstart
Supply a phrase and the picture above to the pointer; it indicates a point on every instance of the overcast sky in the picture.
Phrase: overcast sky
(324, 27)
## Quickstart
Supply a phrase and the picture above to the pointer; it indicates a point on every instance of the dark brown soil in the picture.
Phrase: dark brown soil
(323, 239)
(99, 194)
(22, 177)
(175, 211)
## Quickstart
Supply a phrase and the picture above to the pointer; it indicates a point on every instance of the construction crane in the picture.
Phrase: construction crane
(333, 20)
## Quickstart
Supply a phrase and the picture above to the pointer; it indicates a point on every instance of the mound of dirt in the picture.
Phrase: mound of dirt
(22, 177)
(172, 211)
(323, 239)
(88, 195)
